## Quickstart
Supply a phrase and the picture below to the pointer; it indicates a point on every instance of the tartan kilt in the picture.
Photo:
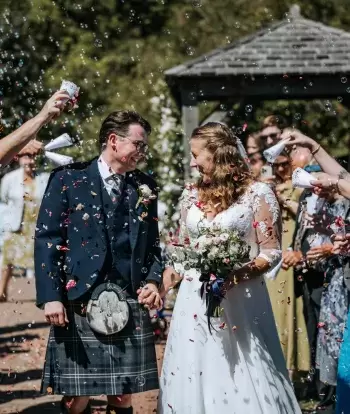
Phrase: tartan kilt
(81, 362)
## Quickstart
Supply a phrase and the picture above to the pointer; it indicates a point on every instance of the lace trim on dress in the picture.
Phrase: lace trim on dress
(263, 190)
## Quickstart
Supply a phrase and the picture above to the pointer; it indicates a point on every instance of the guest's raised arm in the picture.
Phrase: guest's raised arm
(328, 164)
(12, 144)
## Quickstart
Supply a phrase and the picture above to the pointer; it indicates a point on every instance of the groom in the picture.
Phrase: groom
(98, 226)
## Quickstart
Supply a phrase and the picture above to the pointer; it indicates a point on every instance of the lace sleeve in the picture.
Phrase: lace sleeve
(268, 227)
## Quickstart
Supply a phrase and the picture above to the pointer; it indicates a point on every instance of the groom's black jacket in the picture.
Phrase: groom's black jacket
(71, 240)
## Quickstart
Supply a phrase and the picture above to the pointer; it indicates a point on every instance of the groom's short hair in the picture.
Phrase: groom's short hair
(119, 123)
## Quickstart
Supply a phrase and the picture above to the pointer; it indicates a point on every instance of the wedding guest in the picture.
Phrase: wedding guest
(287, 309)
(271, 130)
(22, 191)
(334, 302)
(254, 151)
(339, 179)
(254, 143)
(256, 162)
(338, 176)
(310, 240)
(12, 144)
(328, 164)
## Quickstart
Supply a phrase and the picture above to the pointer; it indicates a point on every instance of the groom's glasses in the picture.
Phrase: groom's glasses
(140, 146)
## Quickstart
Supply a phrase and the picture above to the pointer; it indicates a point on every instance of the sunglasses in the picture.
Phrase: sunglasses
(284, 164)
(272, 136)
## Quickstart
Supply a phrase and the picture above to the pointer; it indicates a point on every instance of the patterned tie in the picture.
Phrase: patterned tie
(118, 186)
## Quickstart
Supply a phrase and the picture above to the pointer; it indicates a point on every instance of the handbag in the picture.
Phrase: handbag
(107, 310)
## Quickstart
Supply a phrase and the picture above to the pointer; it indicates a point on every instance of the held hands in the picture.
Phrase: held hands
(55, 313)
(149, 296)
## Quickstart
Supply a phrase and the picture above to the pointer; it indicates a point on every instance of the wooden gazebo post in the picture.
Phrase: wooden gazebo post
(190, 120)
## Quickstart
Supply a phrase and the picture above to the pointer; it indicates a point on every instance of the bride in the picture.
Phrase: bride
(238, 367)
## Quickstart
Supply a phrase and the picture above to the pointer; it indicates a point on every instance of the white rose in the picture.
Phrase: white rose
(214, 251)
(146, 192)
(202, 242)
(233, 249)
(224, 237)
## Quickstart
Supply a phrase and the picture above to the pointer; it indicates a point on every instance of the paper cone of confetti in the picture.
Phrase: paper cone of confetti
(302, 179)
(58, 159)
(62, 141)
(272, 153)
(69, 87)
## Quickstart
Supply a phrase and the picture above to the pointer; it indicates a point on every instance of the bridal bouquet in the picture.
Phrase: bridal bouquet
(214, 254)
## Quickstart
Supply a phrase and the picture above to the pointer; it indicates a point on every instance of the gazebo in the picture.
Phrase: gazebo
(295, 58)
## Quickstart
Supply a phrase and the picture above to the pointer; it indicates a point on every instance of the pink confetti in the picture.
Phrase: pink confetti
(63, 248)
(222, 325)
(71, 284)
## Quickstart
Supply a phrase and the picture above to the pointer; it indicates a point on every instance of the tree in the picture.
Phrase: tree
(168, 155)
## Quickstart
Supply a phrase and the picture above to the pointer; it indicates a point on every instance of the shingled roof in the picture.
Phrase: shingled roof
(292, 46)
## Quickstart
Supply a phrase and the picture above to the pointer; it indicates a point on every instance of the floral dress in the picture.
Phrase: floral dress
(334, 305)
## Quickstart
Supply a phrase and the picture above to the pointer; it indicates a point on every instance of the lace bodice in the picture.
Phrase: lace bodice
(256, 216)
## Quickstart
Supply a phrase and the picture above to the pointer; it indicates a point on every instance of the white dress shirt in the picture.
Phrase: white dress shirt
(107, 173)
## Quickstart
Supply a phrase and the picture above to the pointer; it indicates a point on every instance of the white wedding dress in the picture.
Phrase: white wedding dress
(239, 368)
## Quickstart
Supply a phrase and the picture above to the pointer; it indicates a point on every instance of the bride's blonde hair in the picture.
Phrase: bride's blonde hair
(231, 175)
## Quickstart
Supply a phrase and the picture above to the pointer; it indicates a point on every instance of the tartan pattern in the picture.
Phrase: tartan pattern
(80, 362)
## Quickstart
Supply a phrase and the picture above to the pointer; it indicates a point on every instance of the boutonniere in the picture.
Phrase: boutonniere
(145, 197)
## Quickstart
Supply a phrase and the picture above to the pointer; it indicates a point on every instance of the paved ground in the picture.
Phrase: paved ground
(23, 334)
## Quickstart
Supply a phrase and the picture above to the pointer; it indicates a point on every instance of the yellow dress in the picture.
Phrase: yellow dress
(287, 309)
(18, 248)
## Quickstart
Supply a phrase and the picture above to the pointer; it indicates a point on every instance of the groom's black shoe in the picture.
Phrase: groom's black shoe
(119, 410)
